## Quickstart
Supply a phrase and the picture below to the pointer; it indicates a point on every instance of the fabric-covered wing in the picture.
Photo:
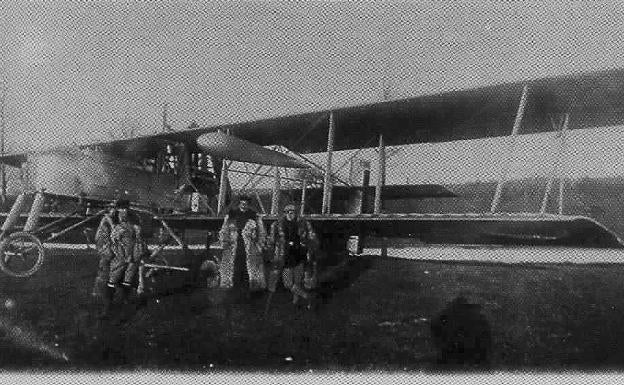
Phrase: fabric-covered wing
(415, 191)
(593, 99)
(474, 229)
(458, 229)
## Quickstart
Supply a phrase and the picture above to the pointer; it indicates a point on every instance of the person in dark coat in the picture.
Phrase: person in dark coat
(293, 242)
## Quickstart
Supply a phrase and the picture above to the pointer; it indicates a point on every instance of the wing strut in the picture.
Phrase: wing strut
(381, 174)
(557, 166)
(562, 182)
(275, 198)
(304, 185)
(222, 187)
(327, 186)
(510, 150)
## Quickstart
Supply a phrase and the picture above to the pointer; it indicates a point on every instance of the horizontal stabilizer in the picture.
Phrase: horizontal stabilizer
(232, 148)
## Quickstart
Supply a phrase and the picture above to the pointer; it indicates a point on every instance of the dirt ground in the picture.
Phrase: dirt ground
(374, 315)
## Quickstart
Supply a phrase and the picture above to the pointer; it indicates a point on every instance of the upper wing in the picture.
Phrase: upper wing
(592, 98)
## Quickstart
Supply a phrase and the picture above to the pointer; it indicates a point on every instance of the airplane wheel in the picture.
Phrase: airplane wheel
(21, 254)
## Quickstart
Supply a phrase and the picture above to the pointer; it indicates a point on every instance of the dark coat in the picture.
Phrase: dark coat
(277, 238)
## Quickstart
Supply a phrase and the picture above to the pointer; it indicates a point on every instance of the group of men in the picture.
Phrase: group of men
(252, 261)
(120, 245)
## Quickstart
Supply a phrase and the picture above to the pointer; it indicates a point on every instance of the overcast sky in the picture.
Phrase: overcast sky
(81, 72)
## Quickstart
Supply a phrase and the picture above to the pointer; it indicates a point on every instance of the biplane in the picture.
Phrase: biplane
(195, 163)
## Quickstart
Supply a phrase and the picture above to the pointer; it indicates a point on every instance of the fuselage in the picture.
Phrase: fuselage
(98, 175)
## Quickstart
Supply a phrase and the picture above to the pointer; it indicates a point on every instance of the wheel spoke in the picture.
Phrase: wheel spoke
(22, 254)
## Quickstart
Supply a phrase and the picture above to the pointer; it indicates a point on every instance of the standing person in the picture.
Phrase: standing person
(242, 237)
(104, 249)
(293, 240)
(127, 246)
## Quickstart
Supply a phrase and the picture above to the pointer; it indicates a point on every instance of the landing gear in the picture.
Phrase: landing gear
(21, 254)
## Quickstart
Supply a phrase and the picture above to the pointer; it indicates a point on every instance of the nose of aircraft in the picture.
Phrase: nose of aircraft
(233, 148)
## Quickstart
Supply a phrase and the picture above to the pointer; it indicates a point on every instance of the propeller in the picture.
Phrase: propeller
(230, 147)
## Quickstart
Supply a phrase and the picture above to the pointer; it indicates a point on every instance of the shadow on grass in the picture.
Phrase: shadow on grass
(342, 276)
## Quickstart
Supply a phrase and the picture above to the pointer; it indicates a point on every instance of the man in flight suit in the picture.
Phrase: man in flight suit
(293, 240)
(127, 248)
(104, 249)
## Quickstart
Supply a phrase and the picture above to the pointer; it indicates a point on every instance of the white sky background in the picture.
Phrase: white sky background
(80, 72)
(77, 72)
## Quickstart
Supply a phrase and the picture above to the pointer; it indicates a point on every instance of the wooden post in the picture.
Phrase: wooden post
(381, 174)
(557, 165)
(276, 192)
(222, 187)
(327, 186)
(510, 150)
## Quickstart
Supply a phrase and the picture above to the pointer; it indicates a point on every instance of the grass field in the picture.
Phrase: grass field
(375, 315)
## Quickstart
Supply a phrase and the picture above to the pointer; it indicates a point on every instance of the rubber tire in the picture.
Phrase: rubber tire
(40, 254)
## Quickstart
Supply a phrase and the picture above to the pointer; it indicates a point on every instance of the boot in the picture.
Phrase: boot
(98, 288)
(126, 291)
(107, 297)
(297, 290)
(312, 301)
